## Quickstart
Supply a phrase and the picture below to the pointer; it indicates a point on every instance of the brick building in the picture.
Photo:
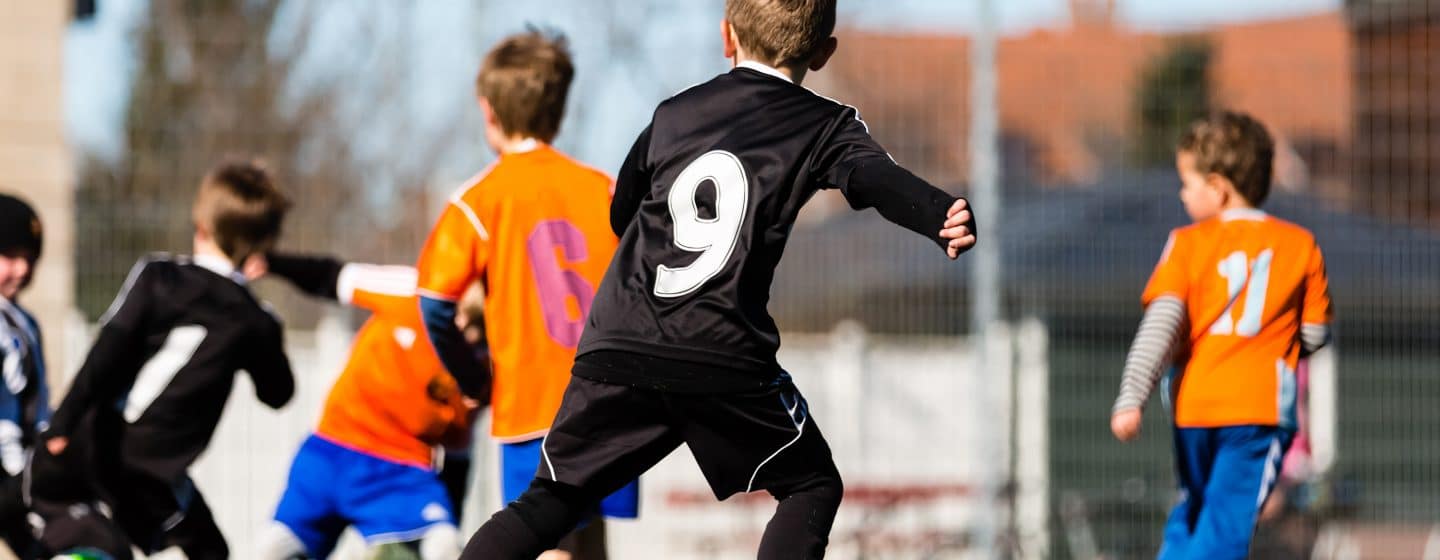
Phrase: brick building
(34, 156)
(1066, 95)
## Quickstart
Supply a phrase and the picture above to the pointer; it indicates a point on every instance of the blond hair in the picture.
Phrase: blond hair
(781, 32)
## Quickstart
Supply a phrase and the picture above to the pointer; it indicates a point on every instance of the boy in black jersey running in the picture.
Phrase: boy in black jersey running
(112, 471)
(679, 347)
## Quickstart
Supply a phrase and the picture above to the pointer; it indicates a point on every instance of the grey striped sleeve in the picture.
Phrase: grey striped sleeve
(1313, 337)
(1155, 344)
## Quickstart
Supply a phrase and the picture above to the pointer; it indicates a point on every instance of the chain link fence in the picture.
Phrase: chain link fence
(365, 110)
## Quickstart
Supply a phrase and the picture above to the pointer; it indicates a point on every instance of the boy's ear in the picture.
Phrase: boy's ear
(823, 54)
(256, 266)
(728, 39)
(486, 110)
(1220, 184)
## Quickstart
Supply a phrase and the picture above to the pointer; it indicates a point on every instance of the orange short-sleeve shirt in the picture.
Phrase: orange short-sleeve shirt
(394, 400)
(1248, 281)
(535, 227)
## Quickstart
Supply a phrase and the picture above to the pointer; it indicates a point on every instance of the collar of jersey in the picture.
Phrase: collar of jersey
(1242, 214)
(764, 69)
(219, 265)
(524, 146)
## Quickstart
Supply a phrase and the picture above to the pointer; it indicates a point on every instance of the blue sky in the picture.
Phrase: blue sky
(611, 97)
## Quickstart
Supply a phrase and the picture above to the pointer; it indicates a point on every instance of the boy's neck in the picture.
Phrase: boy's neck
(207, 250)
(793, 74)
(1236, 203)
(517, 145)
(1241, 212)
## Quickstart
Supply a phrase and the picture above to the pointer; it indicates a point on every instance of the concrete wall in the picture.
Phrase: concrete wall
(34, 157)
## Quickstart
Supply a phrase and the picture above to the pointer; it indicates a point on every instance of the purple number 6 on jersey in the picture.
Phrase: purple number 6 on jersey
(557, 285)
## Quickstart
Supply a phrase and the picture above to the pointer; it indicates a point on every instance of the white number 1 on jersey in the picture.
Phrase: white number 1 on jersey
(1239, 273)
(714, 238)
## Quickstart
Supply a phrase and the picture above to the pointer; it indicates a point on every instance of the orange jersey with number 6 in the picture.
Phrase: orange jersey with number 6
(1249, 281)
(535, 227)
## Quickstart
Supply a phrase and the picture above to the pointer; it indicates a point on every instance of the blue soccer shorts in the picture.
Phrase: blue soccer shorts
(1225, 475)
(332, 486)
(520, 461)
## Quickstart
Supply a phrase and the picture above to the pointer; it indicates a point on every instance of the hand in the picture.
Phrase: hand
(1126, 424)
(957, 229)
(57, 445)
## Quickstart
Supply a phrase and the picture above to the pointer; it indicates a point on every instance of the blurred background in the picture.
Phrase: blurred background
(967, 403)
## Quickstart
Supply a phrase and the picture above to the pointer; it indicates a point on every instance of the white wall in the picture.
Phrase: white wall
(901, 415)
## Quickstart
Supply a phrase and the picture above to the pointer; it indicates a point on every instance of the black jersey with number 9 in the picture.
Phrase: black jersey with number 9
(704, 205)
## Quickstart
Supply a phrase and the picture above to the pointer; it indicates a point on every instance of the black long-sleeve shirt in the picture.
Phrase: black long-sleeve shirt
(162, 367)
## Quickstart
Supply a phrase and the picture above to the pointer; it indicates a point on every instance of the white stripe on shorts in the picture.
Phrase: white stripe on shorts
(799, 431)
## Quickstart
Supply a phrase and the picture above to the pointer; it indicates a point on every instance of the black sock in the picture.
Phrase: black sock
(532, 524)
(802, 521)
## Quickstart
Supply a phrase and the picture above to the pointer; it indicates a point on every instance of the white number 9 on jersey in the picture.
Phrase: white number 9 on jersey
(714, 238)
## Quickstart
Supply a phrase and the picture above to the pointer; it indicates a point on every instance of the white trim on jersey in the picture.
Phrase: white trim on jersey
(764, 69)
(219, 265)
(457, 198)
(524, 146)
(862, 122)
(1242, 214)
(394, 280)
(470, 215)
(124, 290)
(799, 431)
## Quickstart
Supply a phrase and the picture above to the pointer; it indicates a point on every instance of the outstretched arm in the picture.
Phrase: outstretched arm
(1154, 347)
(386, 290)
(910, 202)
(317, 276)
(852, 161)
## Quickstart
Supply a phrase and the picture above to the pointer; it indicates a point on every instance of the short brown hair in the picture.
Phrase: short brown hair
(781, 32)
(526, 79)
(240, 207)
(1237, 147)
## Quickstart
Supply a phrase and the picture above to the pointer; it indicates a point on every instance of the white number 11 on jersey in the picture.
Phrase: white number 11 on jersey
(714, 238)
(1254, 279)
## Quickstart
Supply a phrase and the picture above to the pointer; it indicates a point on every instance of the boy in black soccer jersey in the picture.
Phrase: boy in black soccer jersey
(679, 347)
(112, 471)
(24, 399)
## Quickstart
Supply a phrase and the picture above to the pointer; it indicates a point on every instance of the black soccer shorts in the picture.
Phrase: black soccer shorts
(605, 435)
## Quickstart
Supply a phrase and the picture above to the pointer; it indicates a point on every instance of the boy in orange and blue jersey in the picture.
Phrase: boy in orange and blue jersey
(535, 229)
(1236, 300)
(369, 462)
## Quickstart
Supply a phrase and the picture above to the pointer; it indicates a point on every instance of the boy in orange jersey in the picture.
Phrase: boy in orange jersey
(535, 229)
(368, 464)
(1237, 299)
